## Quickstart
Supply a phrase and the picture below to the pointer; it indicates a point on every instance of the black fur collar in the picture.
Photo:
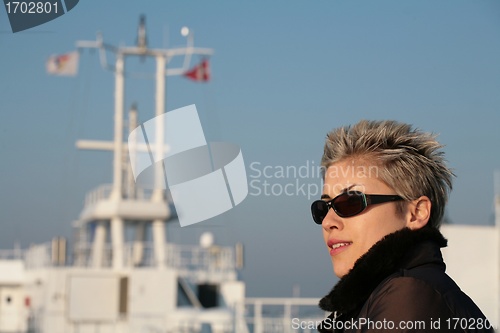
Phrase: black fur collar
(384, 258)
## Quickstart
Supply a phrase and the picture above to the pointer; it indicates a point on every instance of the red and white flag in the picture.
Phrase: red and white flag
(64, 64)
(200, 72)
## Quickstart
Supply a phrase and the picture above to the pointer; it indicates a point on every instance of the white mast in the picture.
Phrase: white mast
(158, 224)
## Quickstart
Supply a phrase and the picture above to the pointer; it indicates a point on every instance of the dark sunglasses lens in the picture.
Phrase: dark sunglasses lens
(349, 204)
(319, 209)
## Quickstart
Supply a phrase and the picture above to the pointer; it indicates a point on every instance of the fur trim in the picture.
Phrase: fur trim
(383, 259)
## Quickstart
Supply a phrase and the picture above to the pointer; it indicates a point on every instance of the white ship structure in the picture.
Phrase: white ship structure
(105, 283)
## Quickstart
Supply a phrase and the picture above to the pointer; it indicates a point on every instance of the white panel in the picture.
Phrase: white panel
(12, 310)
(237, 178)
(152, 292)
(93, 298)
(139, 157)
(233, 293)
(472, 259)
(12, 272)
(202, 198)
(183, 131)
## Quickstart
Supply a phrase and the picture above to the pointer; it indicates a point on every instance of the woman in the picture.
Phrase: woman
(385, 190)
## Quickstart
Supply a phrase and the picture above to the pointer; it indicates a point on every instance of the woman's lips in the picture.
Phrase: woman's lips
(337, 246)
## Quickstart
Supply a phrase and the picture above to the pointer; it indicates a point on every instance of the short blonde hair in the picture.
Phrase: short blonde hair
(410, 161)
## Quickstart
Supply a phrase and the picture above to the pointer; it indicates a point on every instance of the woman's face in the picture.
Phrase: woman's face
(349, 238)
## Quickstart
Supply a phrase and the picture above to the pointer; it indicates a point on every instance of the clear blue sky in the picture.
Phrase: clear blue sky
(284, 74)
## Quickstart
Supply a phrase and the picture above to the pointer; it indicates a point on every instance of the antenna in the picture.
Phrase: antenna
(142, 39)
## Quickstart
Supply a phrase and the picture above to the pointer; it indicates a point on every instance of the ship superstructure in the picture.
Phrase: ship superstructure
(110, 282)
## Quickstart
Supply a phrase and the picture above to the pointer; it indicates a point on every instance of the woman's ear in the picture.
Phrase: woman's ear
(419, 213)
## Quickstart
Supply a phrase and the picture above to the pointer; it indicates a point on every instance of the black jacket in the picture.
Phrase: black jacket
(400, 285)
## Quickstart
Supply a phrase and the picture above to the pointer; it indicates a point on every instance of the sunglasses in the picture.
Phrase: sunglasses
(348, 204)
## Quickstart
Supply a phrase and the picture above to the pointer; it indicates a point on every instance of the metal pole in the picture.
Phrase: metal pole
(159, 232)
(117, 242)
(132, 124)
(99, 245)
(160, 182)
(116, 194)
(258, 327)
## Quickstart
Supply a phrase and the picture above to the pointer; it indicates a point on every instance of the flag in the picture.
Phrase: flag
(64, 64)
(200, 72)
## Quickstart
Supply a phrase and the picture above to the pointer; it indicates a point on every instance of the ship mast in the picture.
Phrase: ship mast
(114, 208)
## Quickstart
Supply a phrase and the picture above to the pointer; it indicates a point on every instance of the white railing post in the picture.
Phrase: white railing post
(257, 308)
(287, 316)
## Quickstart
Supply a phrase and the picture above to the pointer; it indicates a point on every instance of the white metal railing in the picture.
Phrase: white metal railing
(12, 254)
(186, 257)
(284, 315)
(103, 192)
(135, 323)
(38, 256)
(214, 258)
(264, 320)
(220, 259)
